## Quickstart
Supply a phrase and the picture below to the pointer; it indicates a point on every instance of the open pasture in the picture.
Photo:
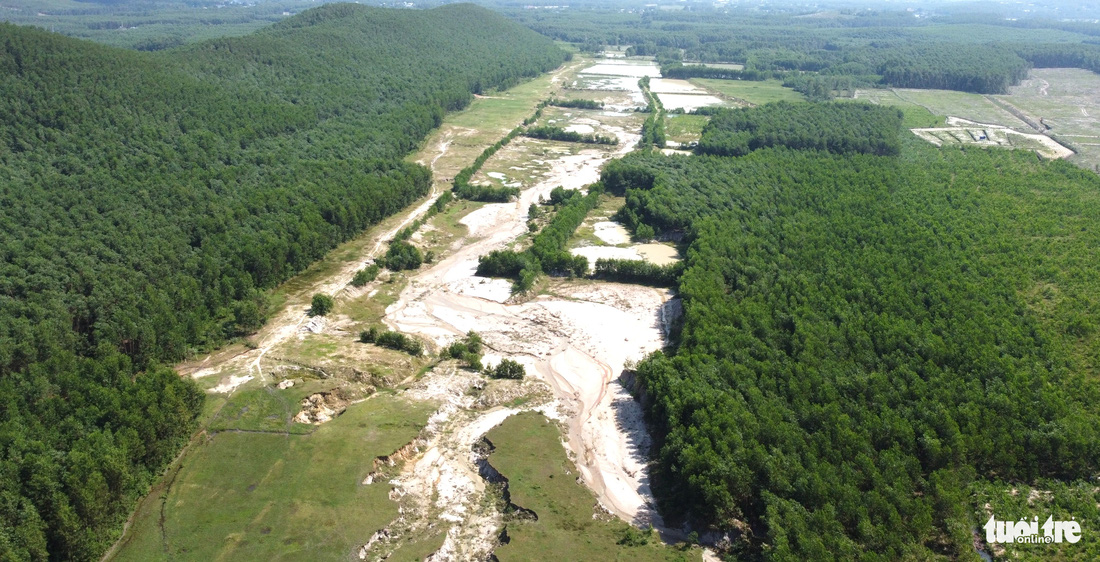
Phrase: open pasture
(749, 91)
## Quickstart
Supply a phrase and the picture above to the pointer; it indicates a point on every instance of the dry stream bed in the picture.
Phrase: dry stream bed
(574, 337)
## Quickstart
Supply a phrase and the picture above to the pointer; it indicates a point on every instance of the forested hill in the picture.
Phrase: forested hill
(147, 200)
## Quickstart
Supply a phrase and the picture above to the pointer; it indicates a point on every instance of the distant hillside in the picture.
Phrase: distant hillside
(148, 200)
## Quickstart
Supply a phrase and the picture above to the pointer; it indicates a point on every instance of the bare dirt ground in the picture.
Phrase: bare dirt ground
(577, 342)
(993, 136)
(574, 340)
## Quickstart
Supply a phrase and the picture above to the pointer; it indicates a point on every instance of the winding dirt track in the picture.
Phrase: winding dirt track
(577, 344)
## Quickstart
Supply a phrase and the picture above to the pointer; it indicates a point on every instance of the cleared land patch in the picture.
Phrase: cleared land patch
(1059, 102)
(262, 496)
(749, 91)
(991, 136)
(552, 517)
(1065, 100)
(684, 129)
(975, 107)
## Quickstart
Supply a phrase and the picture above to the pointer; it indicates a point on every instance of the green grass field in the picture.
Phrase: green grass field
(916, 116)
(529, 453)
(685, 128)
(974, 107)
(264, 496)
(754, 92)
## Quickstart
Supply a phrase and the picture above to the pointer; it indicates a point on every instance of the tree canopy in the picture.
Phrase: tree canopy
(147, 200)
(864, 337)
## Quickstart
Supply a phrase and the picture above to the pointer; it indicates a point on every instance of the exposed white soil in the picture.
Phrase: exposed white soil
(231, 383)
(581, 128)
(611, 233)
(674, 86)
(594, 253)
(688, 102)
(576, 342)
(635, 69)
(977, 134)
(659, 254)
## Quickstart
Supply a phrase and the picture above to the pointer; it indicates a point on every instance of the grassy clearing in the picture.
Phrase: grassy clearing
(974, 107)
(343, 355)
(685, 128)
(754, 92)
(915, 116)
(265, 408)
(441, 232)
(529, 453)
(249, 496)
(366, 309)
(418, 549)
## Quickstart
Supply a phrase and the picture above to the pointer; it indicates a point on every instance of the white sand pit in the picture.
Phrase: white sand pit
(660, 254)
(624, 68)
(674, 86)
(688, 102)
(594, 253)
(611, 233)
(484, 218)
(577, 344)
(496, 290)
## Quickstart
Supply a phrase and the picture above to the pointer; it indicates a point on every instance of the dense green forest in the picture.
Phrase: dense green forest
(148, 199)
(868, 339)
(150, 25)
(846, 47)
(834, 127)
